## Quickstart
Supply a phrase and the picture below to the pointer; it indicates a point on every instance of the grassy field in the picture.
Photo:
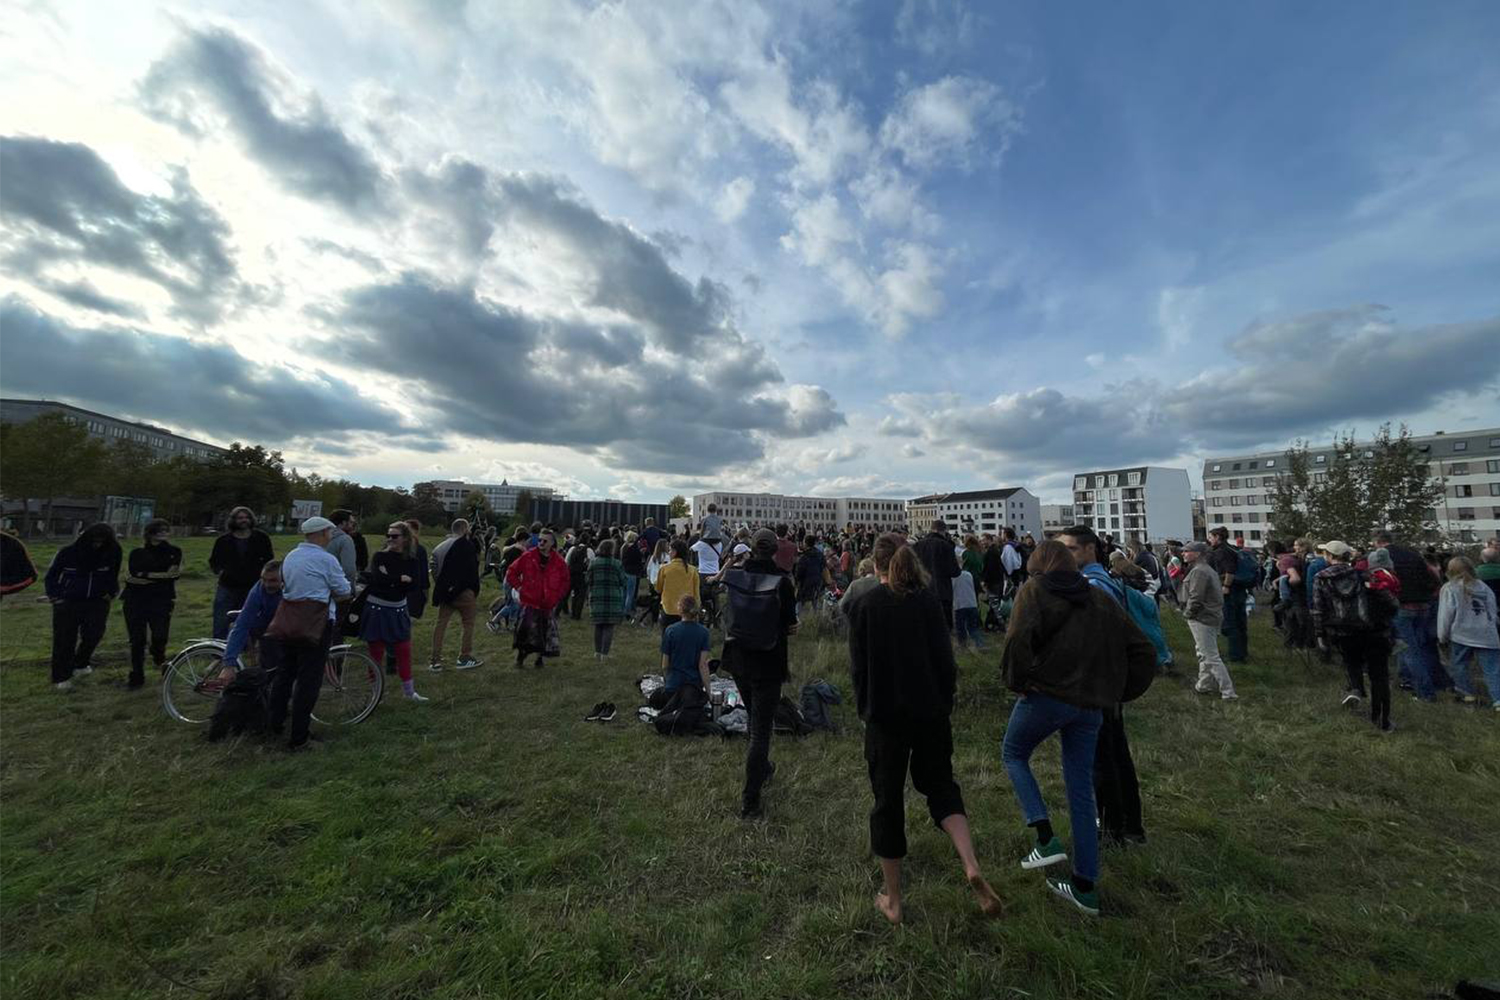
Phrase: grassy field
(491, 844)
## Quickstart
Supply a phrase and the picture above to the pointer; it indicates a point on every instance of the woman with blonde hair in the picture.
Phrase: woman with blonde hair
(1466, 622)
(387, 618)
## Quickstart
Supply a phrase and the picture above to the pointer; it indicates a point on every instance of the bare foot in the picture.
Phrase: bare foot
(892, 910)
(988, 901)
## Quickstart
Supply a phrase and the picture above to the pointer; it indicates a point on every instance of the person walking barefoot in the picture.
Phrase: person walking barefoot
(904, 682)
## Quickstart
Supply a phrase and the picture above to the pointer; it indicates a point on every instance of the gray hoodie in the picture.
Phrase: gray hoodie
(1203, 595)
(341, 547)
(1466, 615)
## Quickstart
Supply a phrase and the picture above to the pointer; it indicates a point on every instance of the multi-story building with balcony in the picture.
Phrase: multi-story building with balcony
(1141, 504)
(1240, 490)
(1056, 517)
(977, 512)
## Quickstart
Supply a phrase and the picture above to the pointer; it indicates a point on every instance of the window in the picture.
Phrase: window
(1320, 477)
(1460, 446)
(1234, 501)
(1114, 479)
(1458, 469)
(1463, 491)
(1254, 465)
(1236, 518)
(1270, 463)
(1254, 517)
(1493, 465)
(1495, 513)
(1081, 483)
(1217, 484)
(1495, 489)
(1234, 484)
(1252, 499)
(1134, 479)
(1255, 536)
(1216, 502)
(1466, 513)
(1218, 467)
(1236, 467)
(1495, 442)
(1320, 460)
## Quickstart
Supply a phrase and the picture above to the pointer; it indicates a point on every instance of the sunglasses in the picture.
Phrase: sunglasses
(394, 534)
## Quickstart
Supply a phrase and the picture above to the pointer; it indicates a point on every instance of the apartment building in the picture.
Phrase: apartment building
(819, 513)
(1140, 504)
(1239, 490)
(501, 496)
(977, 511)
(1056, 517)
(163, 443)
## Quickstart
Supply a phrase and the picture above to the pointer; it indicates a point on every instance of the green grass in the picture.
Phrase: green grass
(490, 844)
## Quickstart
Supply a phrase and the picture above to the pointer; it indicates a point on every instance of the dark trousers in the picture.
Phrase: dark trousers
(760, 698)
(1369, 654)
(580, 598)
(1116, 789)
(948, 612)
(141, 616)
(298, 681)
(604, 637)
(923, 746)
(1236, 623)
(77, 627)
(1298, 625)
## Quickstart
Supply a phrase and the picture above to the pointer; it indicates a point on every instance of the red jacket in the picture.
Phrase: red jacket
(541, 587)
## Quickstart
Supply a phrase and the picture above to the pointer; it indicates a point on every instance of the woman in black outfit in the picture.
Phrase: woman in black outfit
(150, 593)
(904, 681)
(387, 620)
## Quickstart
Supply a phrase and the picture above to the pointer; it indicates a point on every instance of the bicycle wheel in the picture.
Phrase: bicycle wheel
(191, 684)
(352, 687)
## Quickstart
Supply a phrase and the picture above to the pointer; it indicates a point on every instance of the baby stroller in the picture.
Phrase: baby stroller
(999, 615)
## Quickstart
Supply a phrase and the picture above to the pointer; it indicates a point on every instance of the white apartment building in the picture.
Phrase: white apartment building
(977, 511)
(501, 496)
(1056, 517)
(1239, 490)
(1143, 504)
(756, 510)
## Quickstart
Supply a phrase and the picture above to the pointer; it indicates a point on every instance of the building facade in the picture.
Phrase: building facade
(1056, 517)
(1240, 490)
(754, 510)
(977, 512)
(163, 443)
(1142, 504)
(500, 496)
(606, 513)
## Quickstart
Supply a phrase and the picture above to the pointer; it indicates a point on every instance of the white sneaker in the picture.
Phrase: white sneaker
(417, 696)
(436, 666)
(1231, 696)
(83, 671)
(63, 686)
(468, 663)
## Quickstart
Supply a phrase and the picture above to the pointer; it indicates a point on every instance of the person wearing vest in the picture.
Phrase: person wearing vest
(760, 668)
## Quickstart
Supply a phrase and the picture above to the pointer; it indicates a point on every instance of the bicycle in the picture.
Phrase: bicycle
(353, 684)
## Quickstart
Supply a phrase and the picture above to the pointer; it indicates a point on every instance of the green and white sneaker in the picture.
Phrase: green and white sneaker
(1088, 902)
(1041, 856)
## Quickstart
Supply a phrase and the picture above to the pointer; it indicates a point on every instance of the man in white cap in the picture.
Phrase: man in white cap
(310, 574)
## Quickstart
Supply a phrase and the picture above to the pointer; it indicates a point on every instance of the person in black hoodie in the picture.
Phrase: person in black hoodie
(81, 580)
(17, 571)
(1069, 651)
(935, 552)
(150, 593)
(237, 558)
(904, 682)
(759, 668)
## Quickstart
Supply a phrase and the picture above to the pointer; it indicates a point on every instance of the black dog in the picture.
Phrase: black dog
(242, 706)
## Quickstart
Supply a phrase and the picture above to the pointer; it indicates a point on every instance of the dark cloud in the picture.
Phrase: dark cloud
(368, 261)
(208, 388)
(487, 370)
(65, 206)
(212, 75)
(86, 296)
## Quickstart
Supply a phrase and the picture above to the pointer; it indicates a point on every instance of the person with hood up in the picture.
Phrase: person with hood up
(1069, 652)
(1351, 615)
(541, 579)
(1466, 622)
(80, 582)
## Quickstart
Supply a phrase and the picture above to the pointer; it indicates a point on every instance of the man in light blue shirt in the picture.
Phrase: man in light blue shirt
(310, 574)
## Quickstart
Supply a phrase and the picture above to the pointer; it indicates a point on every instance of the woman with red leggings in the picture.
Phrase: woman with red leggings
(386, 620)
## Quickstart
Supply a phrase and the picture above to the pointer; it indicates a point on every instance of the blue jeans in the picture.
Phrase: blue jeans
(1034, 718)
(227, 599)
(1419, 660)
(966, 623)
(631, 583)
(1489, 662)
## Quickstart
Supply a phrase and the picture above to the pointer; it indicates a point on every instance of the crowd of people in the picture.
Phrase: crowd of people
(1081, 616)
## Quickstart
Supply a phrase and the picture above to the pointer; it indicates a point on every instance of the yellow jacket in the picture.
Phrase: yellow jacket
(676, 579)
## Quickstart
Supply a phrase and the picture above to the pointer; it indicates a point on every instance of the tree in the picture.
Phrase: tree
(476, 508)
(1289, 518)
(677, 506)
(427, 504)
(524, 500)
(46, 458)
(253, 477)
(1403, 492)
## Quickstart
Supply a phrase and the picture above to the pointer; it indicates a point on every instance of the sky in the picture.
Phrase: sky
(635, 249)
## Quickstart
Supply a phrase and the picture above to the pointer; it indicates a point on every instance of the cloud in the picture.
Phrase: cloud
(735, 198)
(212, 76)
(952, 121)
(203, 387)
(935, 27)
(65, 206)
(84, 295)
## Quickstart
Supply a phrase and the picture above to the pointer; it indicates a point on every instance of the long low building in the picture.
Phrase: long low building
(978, 511)
(606, 513)
(103, 427)
(755, 510)
(1240, 490)
(501, 496)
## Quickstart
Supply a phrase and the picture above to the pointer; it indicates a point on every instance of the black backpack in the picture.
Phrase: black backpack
(787, 719)
(754, 611)
(243, 705)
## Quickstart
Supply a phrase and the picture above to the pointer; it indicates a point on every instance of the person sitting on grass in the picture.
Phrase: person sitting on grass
(904, 682)
(685, 647)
